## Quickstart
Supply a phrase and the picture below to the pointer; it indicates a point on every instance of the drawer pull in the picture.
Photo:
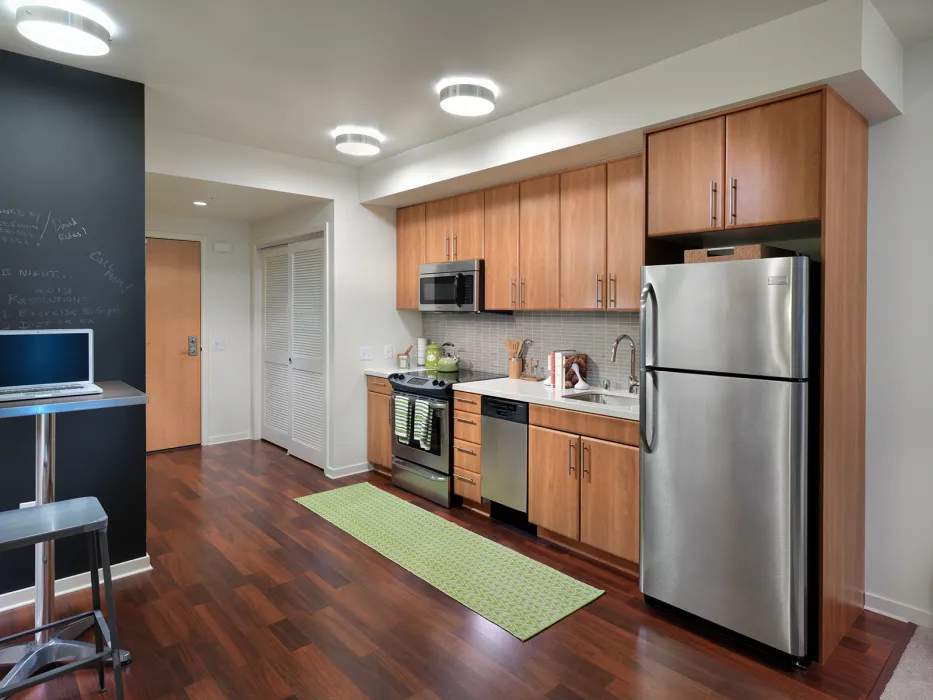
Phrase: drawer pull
(464, 478)
(464, 420)
(457, 398)
(380, 384)
(463, 449)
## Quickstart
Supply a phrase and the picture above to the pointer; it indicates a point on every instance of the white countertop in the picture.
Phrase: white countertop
(537, 393)
(385, 370)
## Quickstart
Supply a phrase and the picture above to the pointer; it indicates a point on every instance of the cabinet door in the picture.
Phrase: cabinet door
(378, 430)
(609, 498)
(409, 247)
(554, 481)
(774, 162)
(685, 178)
(438, 227)
(625, 232)
(501, 248)
(468, 223)
(539, 243)
(583, 238)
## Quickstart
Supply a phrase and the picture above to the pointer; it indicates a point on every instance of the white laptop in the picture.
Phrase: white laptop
(46, 364)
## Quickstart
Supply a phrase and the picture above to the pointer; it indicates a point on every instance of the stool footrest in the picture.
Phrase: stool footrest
(58, 623)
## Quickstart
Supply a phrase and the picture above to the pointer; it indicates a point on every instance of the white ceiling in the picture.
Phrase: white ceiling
(280, 74)
(910, 20)
(173, 196)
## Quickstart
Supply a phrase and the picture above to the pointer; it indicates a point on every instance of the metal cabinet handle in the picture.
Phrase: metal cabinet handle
(512, 292)
(583, 463)
(463, 449)
(599, 291)
(464, 420)
(522, 294)
(570, 452)
(463, 478)
(455, 247)
(612, 290)
(457, 398)
(447, 247)
(733, 199)
(384, 386)
(712, 203)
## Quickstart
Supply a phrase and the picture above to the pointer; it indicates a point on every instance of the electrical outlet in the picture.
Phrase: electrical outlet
(387, 352)
(27, 504)
(220, 344)
(366, 352)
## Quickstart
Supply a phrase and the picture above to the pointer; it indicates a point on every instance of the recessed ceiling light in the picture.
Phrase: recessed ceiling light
(357, 140)
(467, 97)
(62, 30)
(200, 204)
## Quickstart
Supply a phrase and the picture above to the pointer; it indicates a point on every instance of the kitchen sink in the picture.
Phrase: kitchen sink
(606, 398)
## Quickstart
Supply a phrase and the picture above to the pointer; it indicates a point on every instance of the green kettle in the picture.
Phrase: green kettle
(431, 355)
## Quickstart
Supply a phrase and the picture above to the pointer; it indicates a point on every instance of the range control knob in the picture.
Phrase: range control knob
(434, 383)
(441, 383)
(400, 377)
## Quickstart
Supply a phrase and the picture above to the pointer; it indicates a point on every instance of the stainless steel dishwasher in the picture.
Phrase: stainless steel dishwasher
(505, 453)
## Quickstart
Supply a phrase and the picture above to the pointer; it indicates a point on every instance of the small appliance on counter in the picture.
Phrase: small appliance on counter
(449, 361)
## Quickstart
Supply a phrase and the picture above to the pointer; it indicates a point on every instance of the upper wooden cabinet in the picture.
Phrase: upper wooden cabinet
(583, 238)
(438, 230)
(609, 497)
(409, 244)
(554, 481)
(539, 243)
(774, 162)
(685, 178)
(625, 232)
(501, 248)
(468, 225)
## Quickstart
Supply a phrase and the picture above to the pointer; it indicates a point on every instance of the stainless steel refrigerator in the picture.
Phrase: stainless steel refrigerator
(725, 432)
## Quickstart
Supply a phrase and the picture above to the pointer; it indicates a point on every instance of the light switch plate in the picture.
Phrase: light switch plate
(219, 344)
(366, 352)
(387, 352)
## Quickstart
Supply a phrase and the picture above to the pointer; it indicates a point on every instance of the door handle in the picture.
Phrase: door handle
(193, 346)
(463, 478)
(648, 293)
(463, 449)
(457, 398)
(599, 291)
(512, 292)
(522, 294)
(646, 444)
(464, 420)
(447, 247)
(583, 464)
(455, 246)
(612, 291)
(570, 451)
(712, 203)
(733, 198)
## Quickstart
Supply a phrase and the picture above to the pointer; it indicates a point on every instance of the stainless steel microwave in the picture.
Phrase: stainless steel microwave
(451, 286)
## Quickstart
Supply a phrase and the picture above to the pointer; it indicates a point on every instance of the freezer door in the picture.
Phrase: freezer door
(723, 509)
(743, 317)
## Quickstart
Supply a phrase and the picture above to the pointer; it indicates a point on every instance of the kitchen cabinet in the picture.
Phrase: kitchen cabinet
(501, 247)
(685, 178)
(379, 430)
(409, 254)
(554, 481)
(438, 227)
(583, 238)
(625, 232)
(609, 497)
(774, 162)
(539, 243)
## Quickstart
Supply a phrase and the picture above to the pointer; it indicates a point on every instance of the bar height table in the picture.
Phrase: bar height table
(47, 648)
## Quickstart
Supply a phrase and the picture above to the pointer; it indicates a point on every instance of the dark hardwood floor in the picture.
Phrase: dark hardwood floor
(253, 596)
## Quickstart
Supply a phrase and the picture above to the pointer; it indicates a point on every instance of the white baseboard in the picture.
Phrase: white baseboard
(232, 437)
(26, 596)
(349, 470)
(900, 611)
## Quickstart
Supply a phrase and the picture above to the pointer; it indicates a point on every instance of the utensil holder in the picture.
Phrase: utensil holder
(515, 368)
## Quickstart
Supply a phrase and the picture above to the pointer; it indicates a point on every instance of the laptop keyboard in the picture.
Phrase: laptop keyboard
(46, 390)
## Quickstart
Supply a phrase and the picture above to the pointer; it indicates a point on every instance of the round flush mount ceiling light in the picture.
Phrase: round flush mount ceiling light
(358, 140)
(62, 30)
(467, 97)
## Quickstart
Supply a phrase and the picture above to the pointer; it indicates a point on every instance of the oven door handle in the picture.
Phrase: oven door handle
(399, 464)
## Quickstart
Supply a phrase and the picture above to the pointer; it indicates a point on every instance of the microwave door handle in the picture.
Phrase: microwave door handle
(458, 289)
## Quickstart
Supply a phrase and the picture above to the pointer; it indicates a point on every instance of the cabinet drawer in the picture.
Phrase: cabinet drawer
(467, 484)
(468, 455)
(379, 385)
(466, 402)
(467, 426)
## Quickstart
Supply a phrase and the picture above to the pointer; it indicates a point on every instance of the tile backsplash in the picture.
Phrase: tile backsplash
(480, 339)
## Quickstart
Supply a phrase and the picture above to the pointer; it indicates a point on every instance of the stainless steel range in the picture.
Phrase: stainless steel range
(426, 468)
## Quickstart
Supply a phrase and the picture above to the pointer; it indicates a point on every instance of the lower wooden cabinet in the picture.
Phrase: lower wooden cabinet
(609, 497)
(584, 489)
(468, 484)
(378, 430)
(553, 481)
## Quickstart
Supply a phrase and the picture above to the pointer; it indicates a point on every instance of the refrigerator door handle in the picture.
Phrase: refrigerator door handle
(646, 292)
(646, 444)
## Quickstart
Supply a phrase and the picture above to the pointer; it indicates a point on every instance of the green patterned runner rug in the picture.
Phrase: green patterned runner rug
(519, 594)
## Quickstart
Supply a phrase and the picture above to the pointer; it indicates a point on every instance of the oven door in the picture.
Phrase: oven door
(449, 291)
(436, 458)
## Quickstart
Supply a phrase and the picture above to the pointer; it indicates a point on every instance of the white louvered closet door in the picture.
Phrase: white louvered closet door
(276, 347)
(308, 335)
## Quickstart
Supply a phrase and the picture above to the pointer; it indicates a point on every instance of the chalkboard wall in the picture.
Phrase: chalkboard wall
(72, 255)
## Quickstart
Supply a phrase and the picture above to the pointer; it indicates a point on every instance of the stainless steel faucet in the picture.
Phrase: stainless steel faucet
(632, 381)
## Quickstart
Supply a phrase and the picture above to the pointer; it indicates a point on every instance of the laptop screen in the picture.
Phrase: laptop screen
(46, 357)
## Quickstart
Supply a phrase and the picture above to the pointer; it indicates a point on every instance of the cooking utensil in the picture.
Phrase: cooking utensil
(408, 349)
(513, 347)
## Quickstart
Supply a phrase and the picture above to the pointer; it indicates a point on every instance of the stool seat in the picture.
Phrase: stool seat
(29, 526)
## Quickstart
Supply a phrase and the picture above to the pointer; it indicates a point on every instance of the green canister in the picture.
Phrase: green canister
(431, 354)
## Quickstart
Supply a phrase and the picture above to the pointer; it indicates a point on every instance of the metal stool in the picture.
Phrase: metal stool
(28, 527)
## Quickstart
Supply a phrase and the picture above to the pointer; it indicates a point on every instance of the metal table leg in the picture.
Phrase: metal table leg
(48, 647)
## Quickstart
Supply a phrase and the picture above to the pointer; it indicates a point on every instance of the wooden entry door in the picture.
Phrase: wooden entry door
(173, 316)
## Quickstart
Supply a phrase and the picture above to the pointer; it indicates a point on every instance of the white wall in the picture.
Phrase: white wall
(363, 270)
(899, 441)
(225, 306)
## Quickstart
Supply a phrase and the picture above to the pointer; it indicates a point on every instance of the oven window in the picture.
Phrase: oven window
(435, 433)
(439, 290)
